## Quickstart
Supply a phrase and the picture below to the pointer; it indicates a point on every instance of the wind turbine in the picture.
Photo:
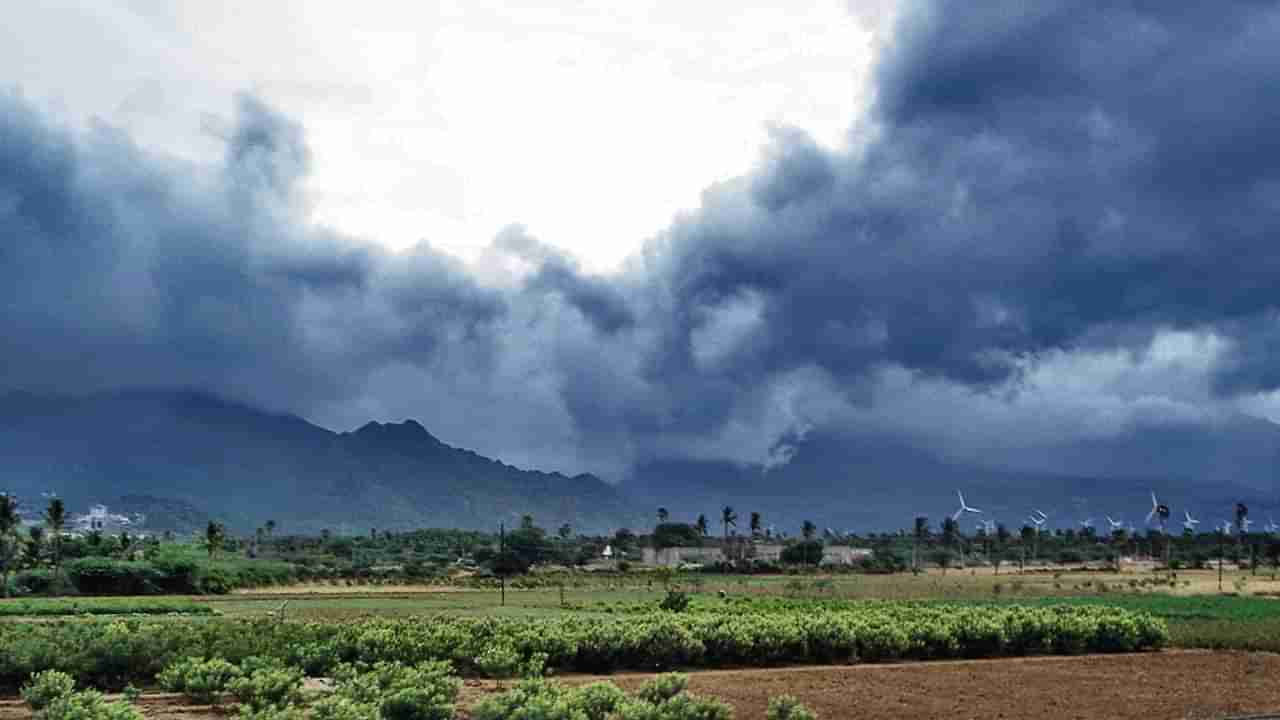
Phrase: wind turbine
(1226, 527)
(963, 507)
(1086, 524)
(1271, 526)
(1115, 524)
(1190, 523)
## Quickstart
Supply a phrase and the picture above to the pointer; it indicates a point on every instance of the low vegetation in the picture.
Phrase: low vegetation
(55, 607)
(111, 654)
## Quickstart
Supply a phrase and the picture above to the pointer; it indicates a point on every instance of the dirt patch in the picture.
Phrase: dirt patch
(1176, 684)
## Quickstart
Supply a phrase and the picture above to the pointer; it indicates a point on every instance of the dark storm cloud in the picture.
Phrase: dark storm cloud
(1035, 178)
(118, 268)
(1045, 175)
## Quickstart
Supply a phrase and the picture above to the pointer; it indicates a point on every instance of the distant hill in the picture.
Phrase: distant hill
(880, 483)
(181, 456)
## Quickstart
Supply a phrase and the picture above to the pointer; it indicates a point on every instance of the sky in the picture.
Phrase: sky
(447, 121)
(1014, 233)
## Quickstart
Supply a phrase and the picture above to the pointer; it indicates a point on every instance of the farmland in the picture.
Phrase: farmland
(745, 638)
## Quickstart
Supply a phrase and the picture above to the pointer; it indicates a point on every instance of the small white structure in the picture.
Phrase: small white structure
(608, 552)
(100, 518)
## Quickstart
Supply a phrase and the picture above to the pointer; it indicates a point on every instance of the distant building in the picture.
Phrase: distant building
(844, 555)
(101, 519)
(765, 552)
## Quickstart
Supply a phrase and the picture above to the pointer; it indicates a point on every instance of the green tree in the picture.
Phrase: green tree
(214, 535)
(55, 519)
(10, 543)
(565, 532)
(701, 525)
(663, 515)
(35, 546)
(271, 527)
(676, 535)
(757, 525)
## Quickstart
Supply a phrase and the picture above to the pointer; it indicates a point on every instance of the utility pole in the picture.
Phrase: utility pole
(502, 554)
(1220, 554)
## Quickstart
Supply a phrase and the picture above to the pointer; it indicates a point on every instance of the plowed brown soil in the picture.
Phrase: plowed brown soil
(1176, 684)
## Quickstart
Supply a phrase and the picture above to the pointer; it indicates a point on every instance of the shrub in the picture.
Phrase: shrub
(47, 686)
(392, 691)
(88, 705)
(498, 661)
(675, 601)
(598, 700)
(202, 681)
(663, 688)
(786, 707)
(335, 707)
(416, 704)
(268, 687)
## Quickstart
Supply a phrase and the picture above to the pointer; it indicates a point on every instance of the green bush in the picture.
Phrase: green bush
(266, 686)
(663, 688)
(665, 699)
(335, 707)
(499, 661)
(675, 601)
(203, 681)
(392, 691)
(88, 705)
(598, 700)
(786, 707)
(47, 686)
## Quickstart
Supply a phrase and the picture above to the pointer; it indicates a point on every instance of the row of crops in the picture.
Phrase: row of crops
(113, 653)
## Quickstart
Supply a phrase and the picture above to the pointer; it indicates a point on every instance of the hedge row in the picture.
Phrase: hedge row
(111, 653)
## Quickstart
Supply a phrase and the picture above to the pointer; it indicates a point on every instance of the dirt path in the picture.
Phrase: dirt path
(1176, 684)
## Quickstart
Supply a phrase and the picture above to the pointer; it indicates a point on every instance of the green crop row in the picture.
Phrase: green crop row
(52, 607)
(109, 654)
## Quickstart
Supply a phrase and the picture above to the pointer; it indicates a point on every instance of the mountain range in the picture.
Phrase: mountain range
(245, 466)
(181, 457)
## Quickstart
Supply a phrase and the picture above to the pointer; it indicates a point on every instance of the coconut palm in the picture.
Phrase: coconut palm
(728, 518)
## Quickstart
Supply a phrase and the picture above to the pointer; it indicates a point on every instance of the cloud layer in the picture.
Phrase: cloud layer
(1056, 213)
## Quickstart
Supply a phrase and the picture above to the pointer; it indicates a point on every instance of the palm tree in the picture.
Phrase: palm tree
(921, 534)
(756, 525)
(663, 515)
(728, 518)
(808, 529)
(701, 525)
(55, 518)
(950, 534)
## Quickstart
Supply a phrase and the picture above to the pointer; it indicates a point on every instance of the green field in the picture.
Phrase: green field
(60, 607)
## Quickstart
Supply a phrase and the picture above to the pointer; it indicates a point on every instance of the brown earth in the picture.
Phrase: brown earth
(1175, 684)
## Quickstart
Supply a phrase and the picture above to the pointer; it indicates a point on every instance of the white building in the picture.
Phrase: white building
(100, 518)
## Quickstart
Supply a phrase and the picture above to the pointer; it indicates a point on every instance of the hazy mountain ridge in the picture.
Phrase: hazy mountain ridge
(201, 455)
(247, 466)
(880, 483)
